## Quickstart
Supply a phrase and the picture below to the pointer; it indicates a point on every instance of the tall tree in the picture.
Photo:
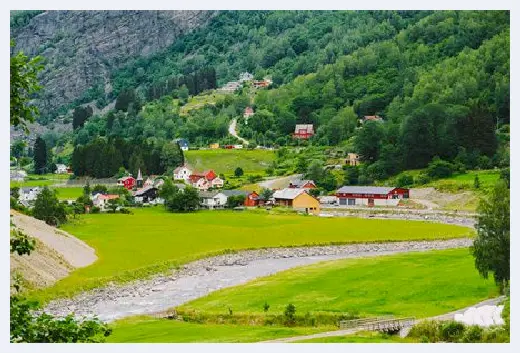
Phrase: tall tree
(40, 156)
(24, 84)
(368, 141)
(48, 208)
(491, 248)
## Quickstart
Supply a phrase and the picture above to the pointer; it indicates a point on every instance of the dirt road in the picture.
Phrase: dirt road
(278, 183)
(76, 252)
(233, 131)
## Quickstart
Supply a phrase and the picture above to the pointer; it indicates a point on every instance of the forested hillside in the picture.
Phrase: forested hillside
(439, 80)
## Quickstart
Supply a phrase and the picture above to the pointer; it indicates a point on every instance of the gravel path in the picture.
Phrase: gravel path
(76, 252)
(279, 183)
(233, 131)
(202, 277)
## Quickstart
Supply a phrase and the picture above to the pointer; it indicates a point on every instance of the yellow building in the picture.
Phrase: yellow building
(214, 146)
(298, 199)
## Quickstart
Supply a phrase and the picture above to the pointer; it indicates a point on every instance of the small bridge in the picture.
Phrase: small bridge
(382, 323)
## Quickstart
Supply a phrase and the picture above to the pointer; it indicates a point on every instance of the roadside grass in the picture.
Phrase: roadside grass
(422, 284)
(361, 337)
(226, 161)
(199, 101)
(69, 193)
(143, 329)
(151, 240)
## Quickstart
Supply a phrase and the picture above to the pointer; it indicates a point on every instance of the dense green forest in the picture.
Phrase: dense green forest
(439, 80)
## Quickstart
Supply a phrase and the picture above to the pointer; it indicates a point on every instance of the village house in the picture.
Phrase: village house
(303, 131)
(101, 200)
(205, 180)
(222, 197)
(352, 159)
(207, 199)
(245, 77)
(298, 199)
(252, 199)
(148, 195)
(183, 144)
(17, 175)
(128, 182)
(61, 169)
(371, 195)
(153, 180)
(248, 112)
(262, 83)
(302, 184)
(371, 118)
(29, 194)
(182, 173)
(230, 87)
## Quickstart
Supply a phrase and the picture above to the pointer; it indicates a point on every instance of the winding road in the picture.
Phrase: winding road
(233, 131)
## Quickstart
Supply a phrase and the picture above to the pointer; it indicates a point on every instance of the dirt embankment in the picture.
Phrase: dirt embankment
(57, 253)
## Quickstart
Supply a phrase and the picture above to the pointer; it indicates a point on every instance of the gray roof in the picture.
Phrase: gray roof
(287, 193)
(234, 192)
(379, 190)
(27, 190)
(143, 190)
(207, 194)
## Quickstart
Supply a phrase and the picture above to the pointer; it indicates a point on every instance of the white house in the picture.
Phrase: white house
(29, 193)
(61, 169)
(222, 197)
(182, 173)
(101, 201)
(217, 183)
(207, 199)
(244, 77)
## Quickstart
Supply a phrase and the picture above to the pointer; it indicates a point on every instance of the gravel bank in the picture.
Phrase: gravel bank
(202, 277)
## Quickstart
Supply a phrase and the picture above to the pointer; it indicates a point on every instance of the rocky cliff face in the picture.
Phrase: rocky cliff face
(81, 48)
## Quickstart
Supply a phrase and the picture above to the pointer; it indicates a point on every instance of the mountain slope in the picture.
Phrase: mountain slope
(82, 48)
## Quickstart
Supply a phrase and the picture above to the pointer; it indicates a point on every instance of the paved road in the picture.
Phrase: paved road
(444, 317)
(233, 131)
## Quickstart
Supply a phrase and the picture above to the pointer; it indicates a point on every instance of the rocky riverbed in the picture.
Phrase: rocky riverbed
(202, 277)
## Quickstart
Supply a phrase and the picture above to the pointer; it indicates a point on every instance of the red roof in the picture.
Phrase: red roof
(210, 174)
(108, 197)
(126, 178)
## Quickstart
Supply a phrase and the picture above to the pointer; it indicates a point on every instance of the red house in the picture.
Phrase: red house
(251, 199)
(209, 175)
(371, 195)
(128, 182)
(303, 131)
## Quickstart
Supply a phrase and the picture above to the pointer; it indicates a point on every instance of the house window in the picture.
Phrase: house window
(351, 202)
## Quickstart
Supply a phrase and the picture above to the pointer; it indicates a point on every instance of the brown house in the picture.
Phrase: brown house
(303, 131)
(302, 184)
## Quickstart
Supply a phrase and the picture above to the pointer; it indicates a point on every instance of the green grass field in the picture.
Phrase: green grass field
(69, 193)
(41, 180)
(152, 240)
(226, 161)
(416, 284)
(151, 330)
(361, 337)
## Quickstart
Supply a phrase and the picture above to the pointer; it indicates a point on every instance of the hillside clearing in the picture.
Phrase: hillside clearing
(226, 161)
(127, 244)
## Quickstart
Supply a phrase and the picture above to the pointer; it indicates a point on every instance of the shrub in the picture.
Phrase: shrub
(125, 210)
(239, 172)
(266, 307)
(289, 315)
(404, 180)
(95, 209)
(472, 334)
(439, 168)
(451, 331)
(422, 179)
(428, 329)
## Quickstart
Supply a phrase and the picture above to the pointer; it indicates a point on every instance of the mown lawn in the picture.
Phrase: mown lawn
(152, 240)
(152, 330)
(226, 161)
(71, 193)
(416, 284)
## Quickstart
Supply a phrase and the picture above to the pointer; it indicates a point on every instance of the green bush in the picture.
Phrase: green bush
(404, 180)
(428, 331)
(422, 179)
(95, 209)
(472, 334)
(451, 331)
(289, 315)
(439, 168)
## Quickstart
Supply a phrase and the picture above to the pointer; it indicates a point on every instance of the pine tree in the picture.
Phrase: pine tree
(40, 156)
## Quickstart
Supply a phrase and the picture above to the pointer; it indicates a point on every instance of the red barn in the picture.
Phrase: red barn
(128, 182)
(371, 195)
(251, 199)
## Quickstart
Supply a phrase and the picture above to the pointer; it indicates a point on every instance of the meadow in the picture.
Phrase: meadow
(226, 161)
(415, 284)
(151, 330)
(69, 193)
(40, 180)
(152, 240)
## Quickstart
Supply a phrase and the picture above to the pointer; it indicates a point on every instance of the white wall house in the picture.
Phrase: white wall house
(217, 183)
(182, 173)
(61, 169)
(29, 193)
(101, 201)
(222, 197)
